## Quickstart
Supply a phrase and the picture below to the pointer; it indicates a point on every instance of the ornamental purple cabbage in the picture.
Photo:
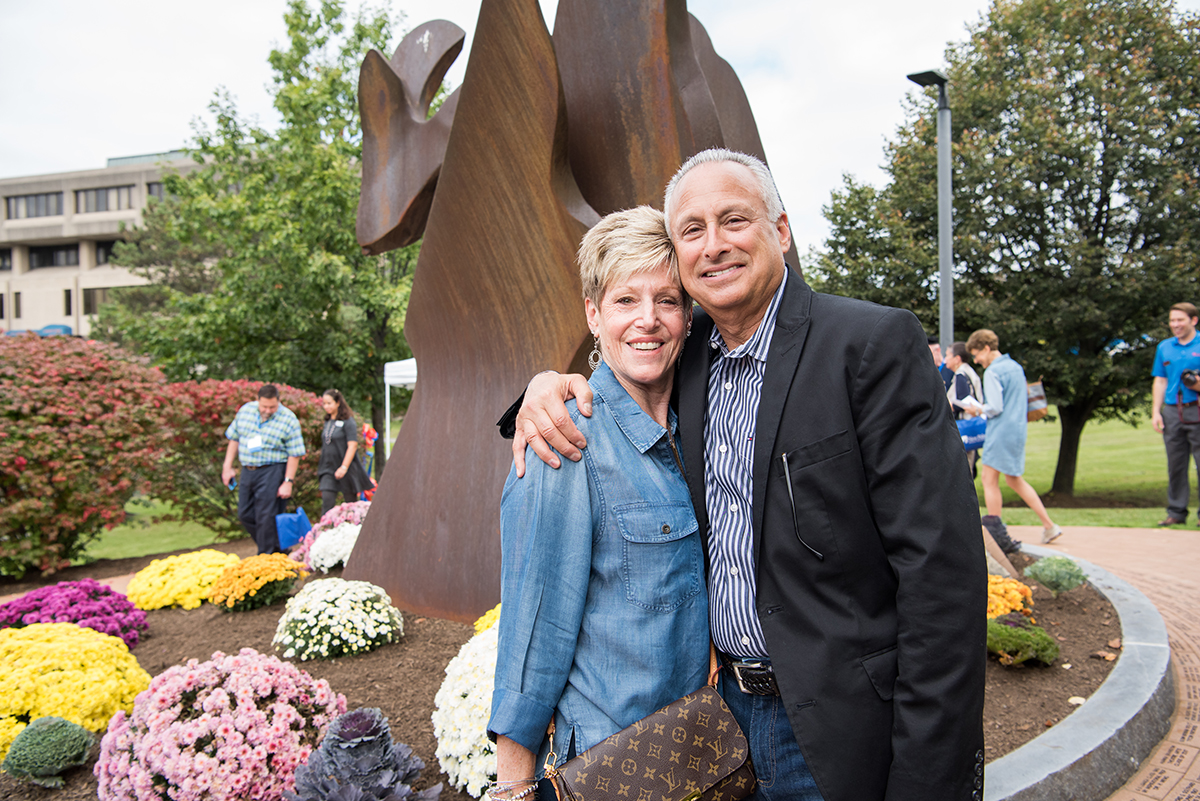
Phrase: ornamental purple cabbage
(357, 761)
(86, 603)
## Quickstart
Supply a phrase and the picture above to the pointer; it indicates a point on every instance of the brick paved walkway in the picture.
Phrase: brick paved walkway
(1165, 565)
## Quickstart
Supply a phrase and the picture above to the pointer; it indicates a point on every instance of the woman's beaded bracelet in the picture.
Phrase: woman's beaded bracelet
(497, 790)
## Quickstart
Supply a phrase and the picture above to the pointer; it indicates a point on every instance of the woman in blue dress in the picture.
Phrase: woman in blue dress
(604, 615)
(1005, 406)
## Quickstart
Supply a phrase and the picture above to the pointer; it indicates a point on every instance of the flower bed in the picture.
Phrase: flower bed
(255, 582)
(235, 727)
(333, 617)
(182, 580)
(353, 513)
(67, 671)
(87, 603)
(461, 710)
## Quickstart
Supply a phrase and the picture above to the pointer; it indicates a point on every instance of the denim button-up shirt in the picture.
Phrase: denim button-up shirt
(605, 614)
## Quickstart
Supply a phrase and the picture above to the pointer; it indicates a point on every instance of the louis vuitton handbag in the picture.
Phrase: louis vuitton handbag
(690, 750)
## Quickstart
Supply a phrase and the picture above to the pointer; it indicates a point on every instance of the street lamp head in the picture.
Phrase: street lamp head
(929, 78)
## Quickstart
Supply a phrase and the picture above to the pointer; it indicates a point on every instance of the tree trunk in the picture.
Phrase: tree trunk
(379, 423)
(1073, 420)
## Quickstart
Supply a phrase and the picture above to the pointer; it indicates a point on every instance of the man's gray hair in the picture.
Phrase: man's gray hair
(766, 183)
(624, 244)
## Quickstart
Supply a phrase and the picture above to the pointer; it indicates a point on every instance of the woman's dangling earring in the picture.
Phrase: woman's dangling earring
(688, 333)
(594, 357)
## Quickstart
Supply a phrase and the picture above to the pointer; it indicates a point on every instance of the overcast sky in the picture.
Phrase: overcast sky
(84, 80)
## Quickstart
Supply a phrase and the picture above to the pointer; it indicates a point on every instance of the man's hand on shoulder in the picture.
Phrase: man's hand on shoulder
(543, 422)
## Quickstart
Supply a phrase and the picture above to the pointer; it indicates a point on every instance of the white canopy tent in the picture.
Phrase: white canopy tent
(396, 374)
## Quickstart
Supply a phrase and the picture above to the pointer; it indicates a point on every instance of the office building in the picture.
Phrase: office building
(57, 236)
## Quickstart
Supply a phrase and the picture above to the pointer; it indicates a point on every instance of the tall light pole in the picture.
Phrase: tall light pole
(945, 202)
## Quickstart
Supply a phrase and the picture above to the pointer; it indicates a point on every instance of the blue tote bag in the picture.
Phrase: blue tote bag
(291, 527)
(972, 430)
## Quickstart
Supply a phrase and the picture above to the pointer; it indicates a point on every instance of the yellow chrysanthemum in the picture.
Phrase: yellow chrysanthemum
(489, 619)
(10, 727)
(245, 579)
(1008, 595)
(64, 670)
(183, 580)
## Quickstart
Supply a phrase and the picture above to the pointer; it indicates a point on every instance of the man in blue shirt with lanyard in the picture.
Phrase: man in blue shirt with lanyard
(265, 437)
(1174, 412)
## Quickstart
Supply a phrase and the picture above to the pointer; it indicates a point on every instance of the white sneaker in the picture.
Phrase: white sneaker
(1051, 534)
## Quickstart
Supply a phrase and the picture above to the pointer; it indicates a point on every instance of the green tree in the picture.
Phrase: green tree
(264, 279)
(1076, 169)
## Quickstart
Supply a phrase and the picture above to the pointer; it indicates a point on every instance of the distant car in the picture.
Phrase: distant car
(54, 330)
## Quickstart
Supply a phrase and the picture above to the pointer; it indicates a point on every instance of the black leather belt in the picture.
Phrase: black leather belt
(262, 466)
(754, 676)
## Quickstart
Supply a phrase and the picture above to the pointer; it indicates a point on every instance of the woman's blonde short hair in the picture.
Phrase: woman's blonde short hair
(624, 244)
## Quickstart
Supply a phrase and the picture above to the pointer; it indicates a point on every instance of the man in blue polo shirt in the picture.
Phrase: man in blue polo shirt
(1175, 412)
(265, 437)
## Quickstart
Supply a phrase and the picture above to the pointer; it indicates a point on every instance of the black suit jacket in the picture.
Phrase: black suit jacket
(879, 648)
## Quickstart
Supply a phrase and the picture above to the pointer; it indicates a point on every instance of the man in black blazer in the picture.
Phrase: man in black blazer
(847, 575)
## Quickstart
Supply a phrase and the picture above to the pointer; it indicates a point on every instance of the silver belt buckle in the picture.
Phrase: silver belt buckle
(737, 674)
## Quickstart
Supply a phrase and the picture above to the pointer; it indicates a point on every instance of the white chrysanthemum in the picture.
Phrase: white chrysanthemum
(461, 710)
(333, 547)
(331, 617)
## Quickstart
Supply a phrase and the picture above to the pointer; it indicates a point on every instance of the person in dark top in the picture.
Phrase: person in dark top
(935, 348)
(339, 468)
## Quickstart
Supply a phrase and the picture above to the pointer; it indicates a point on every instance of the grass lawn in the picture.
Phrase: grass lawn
(1121, 479)
(138, 537)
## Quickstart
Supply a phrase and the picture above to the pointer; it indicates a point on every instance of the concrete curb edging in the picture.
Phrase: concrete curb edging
(1091, 753)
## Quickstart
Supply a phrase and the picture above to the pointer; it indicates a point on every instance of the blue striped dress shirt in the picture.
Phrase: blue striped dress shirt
(735, 381)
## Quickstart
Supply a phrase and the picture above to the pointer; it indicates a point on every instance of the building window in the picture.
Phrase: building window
(54, 256)
(112, 198)
(47, 204)
(154, 189)
(1, 305)
(5, 258)
(67, 303)
(104, 251)
(17, 305)
(93, 299)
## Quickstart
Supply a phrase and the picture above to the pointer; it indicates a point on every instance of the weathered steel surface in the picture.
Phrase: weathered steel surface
(495, 299)
(645, 91)
(627, 122)
(402, 150)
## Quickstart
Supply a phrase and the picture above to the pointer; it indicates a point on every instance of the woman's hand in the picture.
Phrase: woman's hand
(340, 473)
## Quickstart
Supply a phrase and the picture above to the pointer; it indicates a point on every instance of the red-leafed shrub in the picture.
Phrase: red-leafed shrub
(80, 428)
(190, 476)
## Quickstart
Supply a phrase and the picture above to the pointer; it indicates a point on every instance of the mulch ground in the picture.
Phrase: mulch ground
(402, 679)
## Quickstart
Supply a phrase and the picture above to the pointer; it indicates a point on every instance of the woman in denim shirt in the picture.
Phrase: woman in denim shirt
(599, 631)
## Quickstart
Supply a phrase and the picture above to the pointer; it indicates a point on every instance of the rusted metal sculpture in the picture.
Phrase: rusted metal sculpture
(529, 163)
(496, 298)
(403, 147)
